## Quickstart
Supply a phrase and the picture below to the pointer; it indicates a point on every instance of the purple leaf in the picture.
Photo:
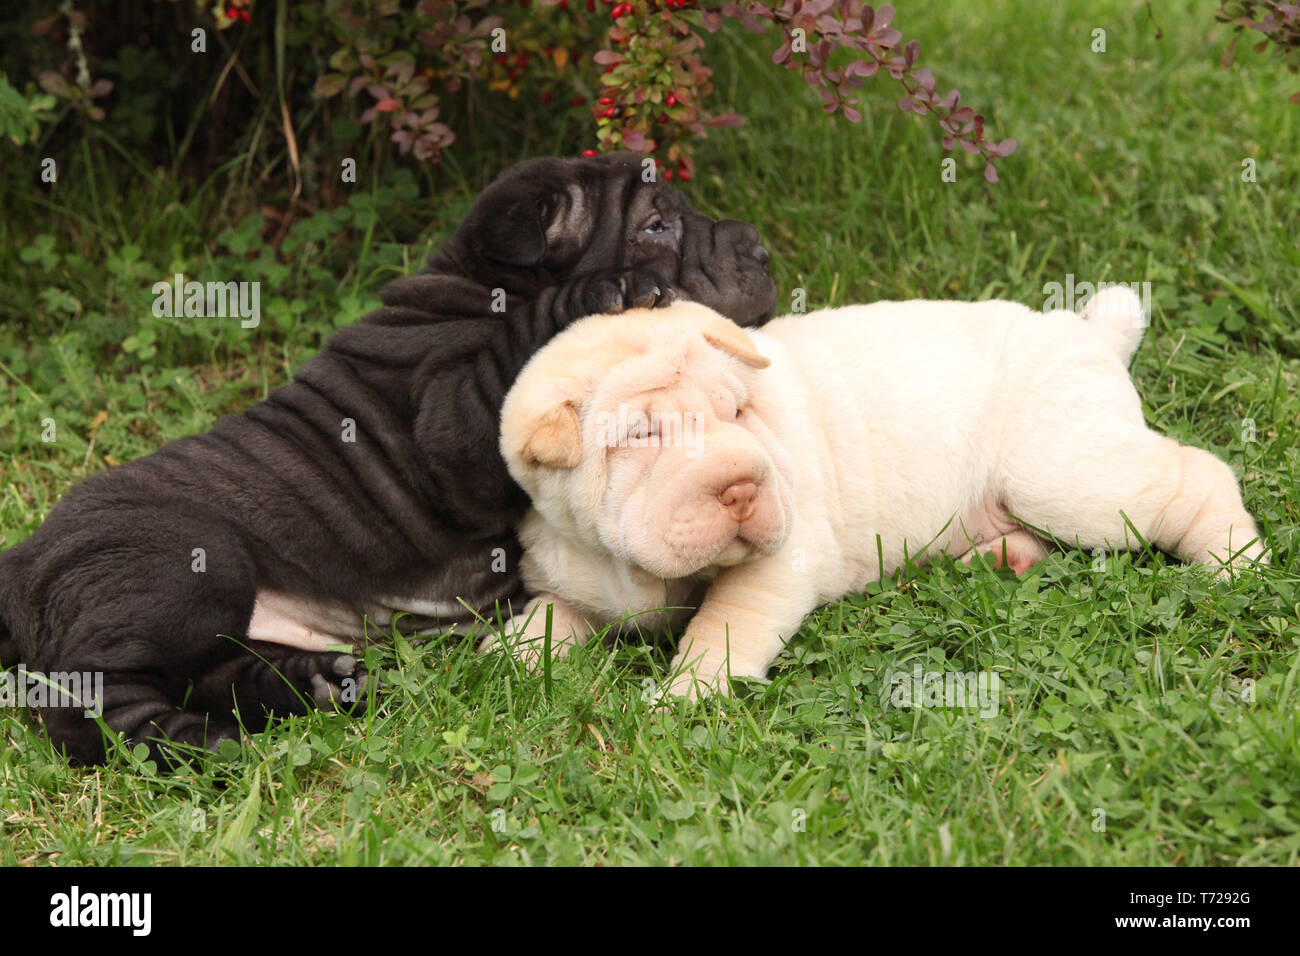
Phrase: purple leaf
(53, 82)
(726, 120)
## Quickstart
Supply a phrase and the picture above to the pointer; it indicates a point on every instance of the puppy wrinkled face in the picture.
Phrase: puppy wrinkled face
(678, 472)
(548, 219)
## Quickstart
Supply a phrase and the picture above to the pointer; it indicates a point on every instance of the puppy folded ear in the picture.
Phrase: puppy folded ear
(516, 234)
(554, 438)
(731, 338)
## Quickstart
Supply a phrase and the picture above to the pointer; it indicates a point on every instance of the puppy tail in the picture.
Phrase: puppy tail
(1116, 313)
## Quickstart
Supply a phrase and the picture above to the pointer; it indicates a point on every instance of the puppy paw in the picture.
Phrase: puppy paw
(620, 291)
(1020, 550)
(343, 685)
(697, 679)
(1252, 558)
(528, 649)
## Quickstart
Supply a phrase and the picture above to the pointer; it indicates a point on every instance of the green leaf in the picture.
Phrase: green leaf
(677, 809)
(236, 837)
(331, 84)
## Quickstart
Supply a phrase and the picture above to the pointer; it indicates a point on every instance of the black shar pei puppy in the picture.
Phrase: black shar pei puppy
(208, 579)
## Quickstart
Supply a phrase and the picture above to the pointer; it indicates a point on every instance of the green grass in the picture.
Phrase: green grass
(1137, 688)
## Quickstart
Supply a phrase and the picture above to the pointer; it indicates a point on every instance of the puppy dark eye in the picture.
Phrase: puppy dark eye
(656, 227)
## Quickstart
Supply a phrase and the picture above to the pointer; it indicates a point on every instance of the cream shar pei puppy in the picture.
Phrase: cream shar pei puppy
(674, 459)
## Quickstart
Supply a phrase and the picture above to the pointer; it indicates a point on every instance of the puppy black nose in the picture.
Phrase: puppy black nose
(761, 255)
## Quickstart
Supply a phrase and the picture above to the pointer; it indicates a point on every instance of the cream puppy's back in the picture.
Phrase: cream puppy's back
(901, 391)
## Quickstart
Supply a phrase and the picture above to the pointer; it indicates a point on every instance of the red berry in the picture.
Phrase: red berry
(590, 152)
(605, 100)
(610, 68)
(683, 175)
(672, 99)
(668, 175)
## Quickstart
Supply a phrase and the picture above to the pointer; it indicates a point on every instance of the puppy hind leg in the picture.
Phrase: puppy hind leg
(145, 627)
(141, 711)
(1206, 521)
(1179, 499)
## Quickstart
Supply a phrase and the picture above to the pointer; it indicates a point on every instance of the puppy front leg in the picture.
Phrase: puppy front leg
(569, 628)
(748, 614)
